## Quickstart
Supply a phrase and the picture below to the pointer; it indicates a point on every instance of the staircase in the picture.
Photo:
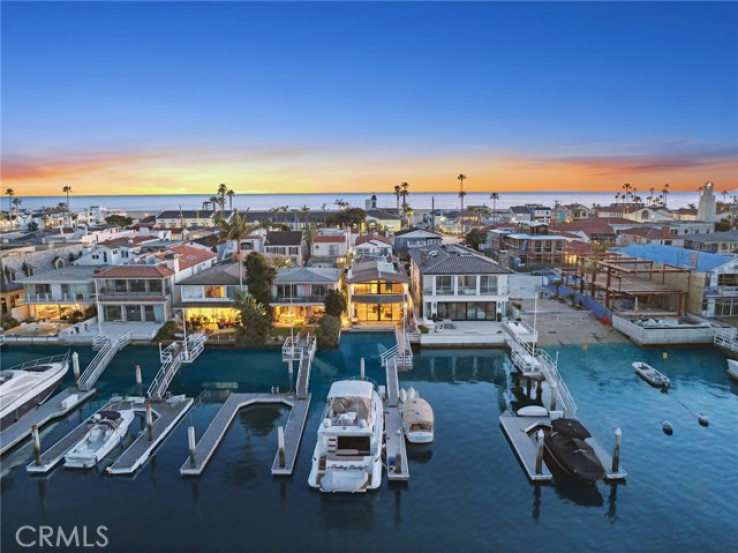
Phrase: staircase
(172, 358)
(107, 349)
(401, 352)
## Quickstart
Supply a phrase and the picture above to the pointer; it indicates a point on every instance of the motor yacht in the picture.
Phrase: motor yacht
(26, 386)
(348, 454)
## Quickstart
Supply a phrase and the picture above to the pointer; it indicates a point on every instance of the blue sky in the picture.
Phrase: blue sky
(184, 95)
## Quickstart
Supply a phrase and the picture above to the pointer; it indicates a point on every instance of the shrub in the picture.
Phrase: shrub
(9, 322)
(335, 303)
(328, 332)
(166, 332)
(423, 329)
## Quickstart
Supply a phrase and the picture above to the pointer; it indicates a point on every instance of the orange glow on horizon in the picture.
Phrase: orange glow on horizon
(304, 171)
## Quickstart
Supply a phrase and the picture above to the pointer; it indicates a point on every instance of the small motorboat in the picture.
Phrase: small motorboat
(733, 369)
(651, 375)
(417, 418)
(106, 429)
(567, 446)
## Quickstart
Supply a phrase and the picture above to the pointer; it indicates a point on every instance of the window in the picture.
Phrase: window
(444, 285)
(215, 292)
(467, 285)
(428, 285)
(138, 285)
(192, 292)
(112, 313)
(332, 250)
(155, 286)
(149, 315)
(487, 284)
(119, 286)
(133, 313)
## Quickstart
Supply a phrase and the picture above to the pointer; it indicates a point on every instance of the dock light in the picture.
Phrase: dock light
(665, 355)
(585, 347)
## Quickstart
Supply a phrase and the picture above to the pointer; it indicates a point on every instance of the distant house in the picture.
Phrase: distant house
(408, 239)
(331, 246)
(391, 220)
(664, 236)
(458, 283)
(288, 244)
(378, 290)
(530, 212)
(717, 242)
(527, 247)
(373, 244)
(186, 218)
(299, 293)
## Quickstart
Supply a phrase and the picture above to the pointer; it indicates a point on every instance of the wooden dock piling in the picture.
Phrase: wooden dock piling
(75, 367)
(539, 452)
(36, 444)
(616, 450)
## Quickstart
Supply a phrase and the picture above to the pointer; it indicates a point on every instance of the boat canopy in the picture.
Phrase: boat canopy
(350, 410)
(355, 388)
(110, 415)
(571, 428)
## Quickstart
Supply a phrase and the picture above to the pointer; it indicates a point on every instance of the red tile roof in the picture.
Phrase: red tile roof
(136, 271)
(369, 237)
(127, 241)
(188, 256)
(650, 232)
(324, 238)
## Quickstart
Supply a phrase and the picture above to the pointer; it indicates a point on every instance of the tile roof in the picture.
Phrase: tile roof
(136, 271)
(128, 241)
(370, 237)
(326, 238)
(454, 260)
(283, 238)
(224, 274)
(190, 256)
(73, 273)
(730, 236)
(651, 233)
(185, 214)
(307, 275)
(421, 232)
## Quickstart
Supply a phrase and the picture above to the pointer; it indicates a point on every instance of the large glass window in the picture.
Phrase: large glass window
(149, 316)
(467, 285)
(192, 292)
(133, 313)
(120, 286)
(467, 311)
(444, 285)
(215, 292)
(488, 285)
(155, 286)
(113, 313)
(137, 285)
(428, 285)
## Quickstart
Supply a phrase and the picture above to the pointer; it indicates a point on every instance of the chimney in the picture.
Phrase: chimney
(172, 260)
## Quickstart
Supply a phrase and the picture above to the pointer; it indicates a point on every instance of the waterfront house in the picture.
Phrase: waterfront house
(378, 290)
(206, 299)
(135, 293)
(287, 244)
(457, 283)
(56, 295)
(412, 238)
(298, 293)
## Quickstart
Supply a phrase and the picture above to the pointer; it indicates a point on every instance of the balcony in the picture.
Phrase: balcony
(105, 293)
(33, 299)
(295, 300)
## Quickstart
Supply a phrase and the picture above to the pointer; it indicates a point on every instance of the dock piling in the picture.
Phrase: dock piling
(539, 452)
(75, 367)
(280, 441)
(362, 368)
(616, 450)
(149, 421)
(554, 391)
(191, 439)
(139, 380)
(36, 444)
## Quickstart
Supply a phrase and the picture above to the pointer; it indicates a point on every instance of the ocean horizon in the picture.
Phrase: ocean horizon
(153, 203)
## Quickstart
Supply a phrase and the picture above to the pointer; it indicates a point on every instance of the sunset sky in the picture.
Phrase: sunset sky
(169, 97)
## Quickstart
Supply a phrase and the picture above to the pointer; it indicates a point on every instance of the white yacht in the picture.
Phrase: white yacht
(417, 417)
(348, 455)
(106, 430)
(733, 369)
(26, 386)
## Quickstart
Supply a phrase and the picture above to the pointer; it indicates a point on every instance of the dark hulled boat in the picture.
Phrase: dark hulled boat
(567, 446)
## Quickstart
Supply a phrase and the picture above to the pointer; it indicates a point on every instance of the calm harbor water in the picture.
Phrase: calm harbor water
(467, 491)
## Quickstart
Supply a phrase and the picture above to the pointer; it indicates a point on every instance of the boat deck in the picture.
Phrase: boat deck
(165, 414)
(525, 448)
(47, 411)
(215, 433)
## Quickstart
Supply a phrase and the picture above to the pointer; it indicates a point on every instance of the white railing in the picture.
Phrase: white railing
(108, 349)
(164, 377)
(726, 338)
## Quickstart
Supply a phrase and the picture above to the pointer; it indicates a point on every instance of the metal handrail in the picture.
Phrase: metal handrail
(41, 361)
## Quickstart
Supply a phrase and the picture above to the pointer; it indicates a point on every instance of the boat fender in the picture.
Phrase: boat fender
(668, 429)
(403, 395)
(327, 423)
(411, 393)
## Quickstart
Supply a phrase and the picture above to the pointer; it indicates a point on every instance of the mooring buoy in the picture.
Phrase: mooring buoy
(668, 429)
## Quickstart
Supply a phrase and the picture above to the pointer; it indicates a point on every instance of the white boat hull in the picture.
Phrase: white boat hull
(24, 392)
(733, 369)
(91, 449)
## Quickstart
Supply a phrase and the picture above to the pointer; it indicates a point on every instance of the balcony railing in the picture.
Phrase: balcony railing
(300, 299)
(57, 298)
(138, 294)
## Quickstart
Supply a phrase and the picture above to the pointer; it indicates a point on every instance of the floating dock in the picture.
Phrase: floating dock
(519, 429)
(55, 407)
(166, 414)
(212, 437)
(395, 447)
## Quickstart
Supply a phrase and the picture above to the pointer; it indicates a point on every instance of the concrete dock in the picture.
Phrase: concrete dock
(395, 447)
(55, 407)
(215, 433)
(520, 433)
(166, 414)
(53, 456)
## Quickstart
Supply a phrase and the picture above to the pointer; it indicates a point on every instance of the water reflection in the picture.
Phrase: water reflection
(341, 511)
(419, 453)
(536, 512)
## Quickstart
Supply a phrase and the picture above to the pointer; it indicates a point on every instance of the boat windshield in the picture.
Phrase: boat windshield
(38, 368)
(5, 376)
(350, 410)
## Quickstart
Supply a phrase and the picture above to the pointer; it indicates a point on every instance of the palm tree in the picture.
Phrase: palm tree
(651, 196)
(494, 197)
(404, 193)
(341, 203)
(10, 192)
(213, 203)
(205, 204)
(237, 228)
(284, 209)
(462, 194)
(665, 192)
(16, 203)
(68, 190)
(305, 214)
(222, 191)
(230, 195)
(221, 202)
(397, 195)
(273, 212)
(626, 187)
